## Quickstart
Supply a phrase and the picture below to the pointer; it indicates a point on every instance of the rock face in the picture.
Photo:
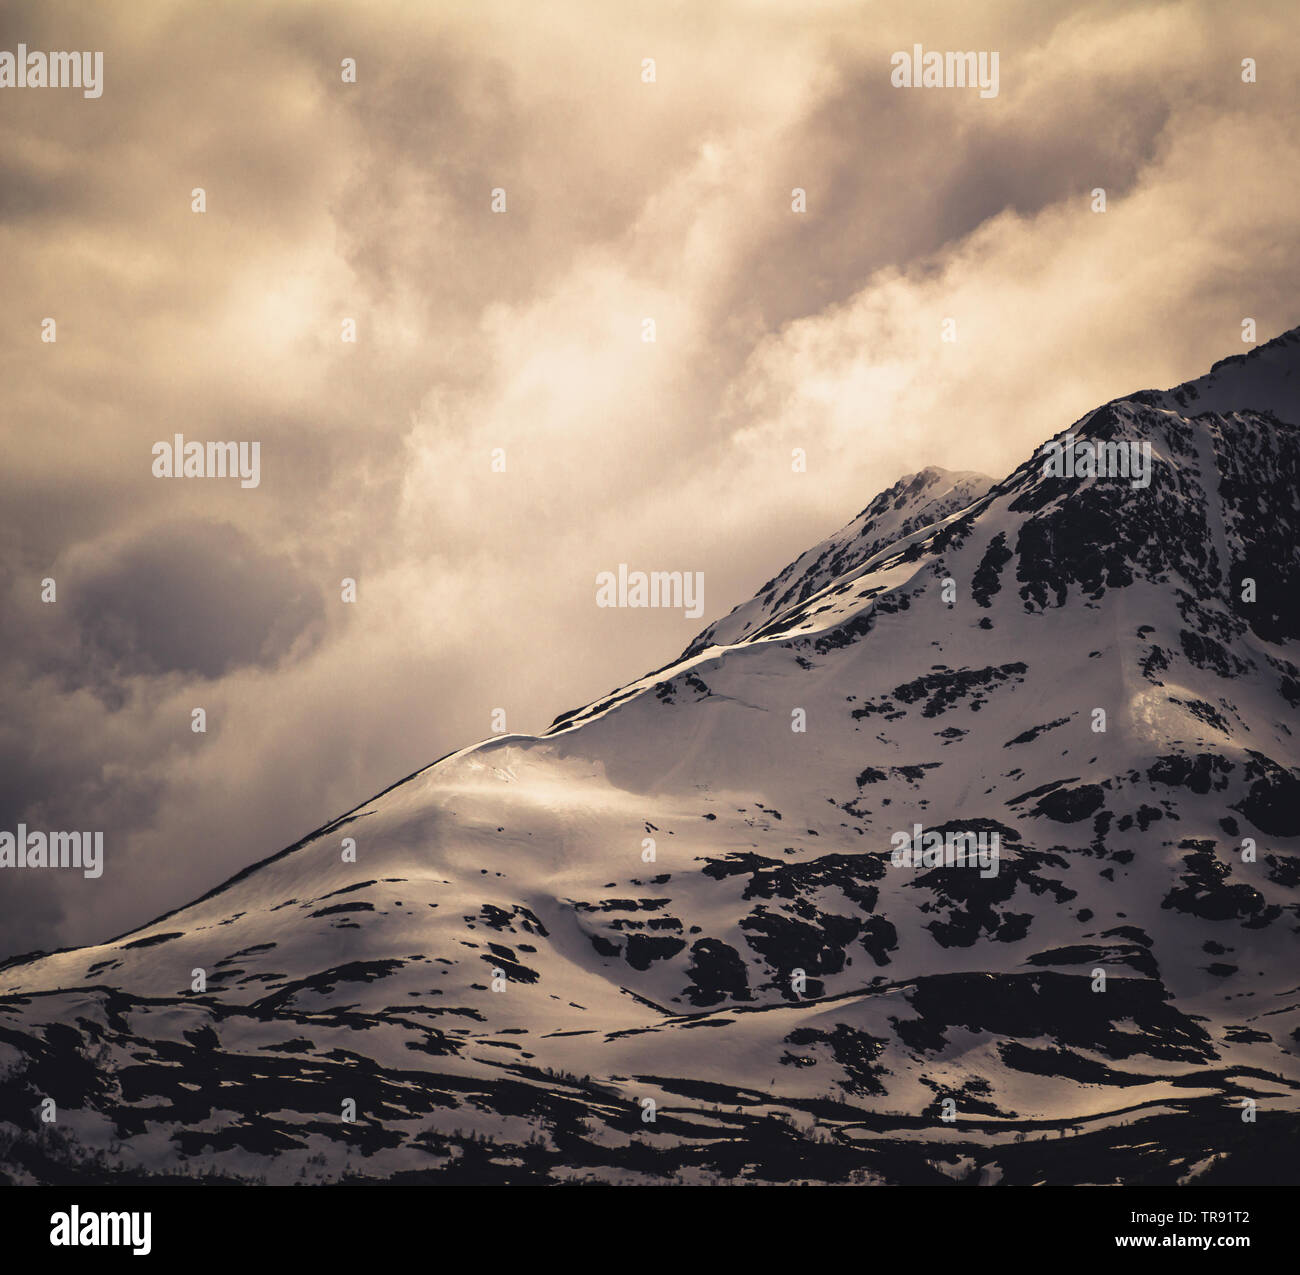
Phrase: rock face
(668, 939)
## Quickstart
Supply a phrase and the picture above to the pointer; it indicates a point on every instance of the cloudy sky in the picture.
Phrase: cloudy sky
(522, 330)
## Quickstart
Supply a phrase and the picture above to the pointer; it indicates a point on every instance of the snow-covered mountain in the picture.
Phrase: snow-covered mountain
(667, 940)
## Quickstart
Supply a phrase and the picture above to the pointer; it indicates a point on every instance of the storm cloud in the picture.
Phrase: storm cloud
(626, 200)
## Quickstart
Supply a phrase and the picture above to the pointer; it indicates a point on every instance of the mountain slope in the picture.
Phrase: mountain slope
(676, 896)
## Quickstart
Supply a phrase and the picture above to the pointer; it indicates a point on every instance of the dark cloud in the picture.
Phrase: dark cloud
(199, 598)
(31, 911)
(522, 330)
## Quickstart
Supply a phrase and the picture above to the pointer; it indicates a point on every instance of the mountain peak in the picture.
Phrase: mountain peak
(914, 502)
(1265, 379)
